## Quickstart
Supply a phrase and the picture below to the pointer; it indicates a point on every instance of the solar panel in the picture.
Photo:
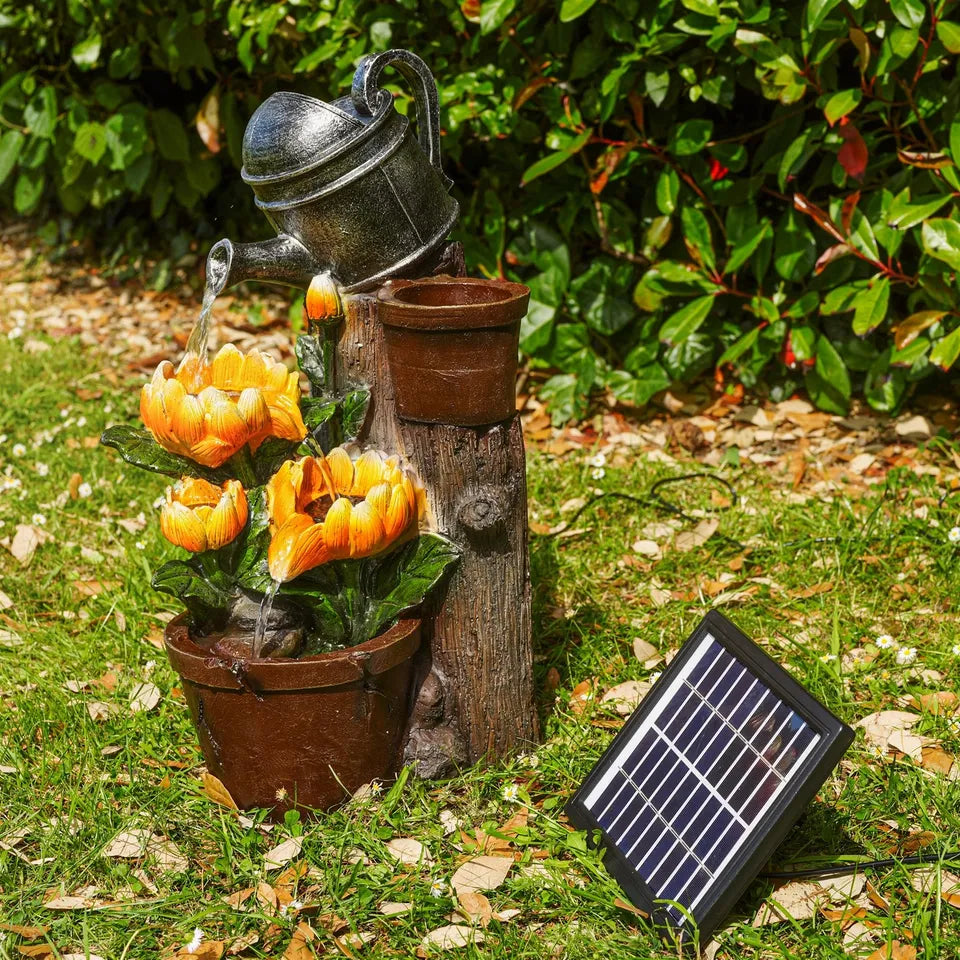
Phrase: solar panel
(706, 778)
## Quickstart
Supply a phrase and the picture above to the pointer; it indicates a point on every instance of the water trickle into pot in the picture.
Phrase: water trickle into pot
(263, 617)
(218, 269)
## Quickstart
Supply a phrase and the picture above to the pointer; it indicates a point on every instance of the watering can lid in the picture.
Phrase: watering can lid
(290, 133)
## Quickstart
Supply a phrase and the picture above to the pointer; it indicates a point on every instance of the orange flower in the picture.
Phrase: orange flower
(332, 508)
(323, 301)
(208, 411)
(199, 516)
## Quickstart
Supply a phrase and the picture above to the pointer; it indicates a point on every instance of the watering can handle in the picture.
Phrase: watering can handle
(367, 96)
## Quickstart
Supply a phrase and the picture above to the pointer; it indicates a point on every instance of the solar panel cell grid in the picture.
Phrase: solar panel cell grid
(679, 797)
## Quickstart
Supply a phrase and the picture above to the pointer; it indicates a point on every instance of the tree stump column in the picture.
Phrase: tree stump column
(474, 692)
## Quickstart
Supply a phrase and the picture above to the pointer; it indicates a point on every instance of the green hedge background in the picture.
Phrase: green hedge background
(758, 191)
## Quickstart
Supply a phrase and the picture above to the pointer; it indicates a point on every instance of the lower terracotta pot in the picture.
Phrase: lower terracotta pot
(299, 733)
(451, 345)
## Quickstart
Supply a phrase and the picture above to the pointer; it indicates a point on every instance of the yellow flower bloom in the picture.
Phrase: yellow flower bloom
(333, 508)
(208, 411)
(200, 516)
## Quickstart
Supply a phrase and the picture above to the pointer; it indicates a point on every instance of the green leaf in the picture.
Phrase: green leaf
(946, 351)
(170, 136)
(139, 448)
(404, 579)
(696, 232)
(690, 137)
(842, 103)
(600, 295)
(28, 190)
(40, 114)
(11, 143)
(903, 216)
(657, 85)
(744, 250)
(884, 387)
(203, 594)
(86, 53)
(668, 189)
(871, 308)
(686, 320)
(795, 249)
(270, 456)
(564, 398)
(949, 35)
(637, 390)
(553, 160)
(941, 239)
(739, 347)
(572, 9)
(802, 340)
(494, 12)
(829, 382)
(909, 12)
(90, 141)
(817, 12)
(354, 406)
(309, 351)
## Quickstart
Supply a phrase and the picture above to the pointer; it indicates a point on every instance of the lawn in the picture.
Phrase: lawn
(815, 554)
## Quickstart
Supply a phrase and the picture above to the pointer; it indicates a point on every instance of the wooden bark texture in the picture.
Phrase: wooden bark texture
(474, 690)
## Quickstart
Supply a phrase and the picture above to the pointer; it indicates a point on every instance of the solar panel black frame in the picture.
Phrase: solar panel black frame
(769, 831)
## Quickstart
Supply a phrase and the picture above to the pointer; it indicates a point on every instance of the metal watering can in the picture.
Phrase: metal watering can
(346, 185)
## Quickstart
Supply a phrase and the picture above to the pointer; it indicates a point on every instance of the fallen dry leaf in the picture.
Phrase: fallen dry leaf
(127, 845)
(645, 652)
(298, 948)
(390, 908)
(409, 851)
(145, 696)
(71, 903)
(217, 792)
(25, 541)
(449, 938)
(28, 933)
(581, 695)
(697, 537)
(35, 950)
(879, 727)
(799, 900)
(938, 760)
(480, 873)
(475, 907)
(625, 697)
(167, 855)
(895, 951)
(283, 853)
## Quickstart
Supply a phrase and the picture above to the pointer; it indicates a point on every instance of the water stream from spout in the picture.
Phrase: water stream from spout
(263, 617)
(218, 269)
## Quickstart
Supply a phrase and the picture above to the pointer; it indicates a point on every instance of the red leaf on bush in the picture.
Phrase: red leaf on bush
(853, 155)
(846, 211)
(529, 89)
(599, 182)
(828, 256)
(717, 170)
(820, 217)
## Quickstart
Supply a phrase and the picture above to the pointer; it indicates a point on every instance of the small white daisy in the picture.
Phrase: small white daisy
(64, 413)
(194, 944)
(954, 724)
(38, 519)
(955, 649)
(14, 333)
(159, 502)
(598, 473)
(3, 438)
(12, 483)
(42, 469)
(84, 490)
(511, 793)
(19, 450)
(438, 888)
(885, 641)
(654, 677)
(598, 460)
(906, 655)
(290, 907)
(828, 657)
(954, 535)
(530, 760)
(81, 421)
(149, 665)
(140, 545)
(108, 408)
(375, 788)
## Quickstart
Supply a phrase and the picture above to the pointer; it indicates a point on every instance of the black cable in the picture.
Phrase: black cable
(835, 869)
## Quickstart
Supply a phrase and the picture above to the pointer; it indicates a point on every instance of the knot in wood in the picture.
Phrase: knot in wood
(483, 512)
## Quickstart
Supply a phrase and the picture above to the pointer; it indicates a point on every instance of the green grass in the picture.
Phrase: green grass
(79, 782)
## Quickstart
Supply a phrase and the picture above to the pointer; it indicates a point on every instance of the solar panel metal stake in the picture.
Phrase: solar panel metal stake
(706, 778)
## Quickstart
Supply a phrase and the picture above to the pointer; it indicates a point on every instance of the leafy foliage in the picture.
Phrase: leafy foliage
(765, 190)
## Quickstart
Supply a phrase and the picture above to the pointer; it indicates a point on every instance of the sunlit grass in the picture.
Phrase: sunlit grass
(82, 612)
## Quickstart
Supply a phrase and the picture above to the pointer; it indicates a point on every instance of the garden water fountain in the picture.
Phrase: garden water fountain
(395, 580)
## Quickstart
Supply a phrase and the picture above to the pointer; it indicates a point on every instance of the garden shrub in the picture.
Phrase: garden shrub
(762, 192)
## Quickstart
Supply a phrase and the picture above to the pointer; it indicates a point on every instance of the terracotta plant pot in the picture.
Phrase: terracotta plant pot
(451, 345)
(299, 733)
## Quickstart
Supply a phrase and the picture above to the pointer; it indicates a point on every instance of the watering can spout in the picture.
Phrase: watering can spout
(282, 259)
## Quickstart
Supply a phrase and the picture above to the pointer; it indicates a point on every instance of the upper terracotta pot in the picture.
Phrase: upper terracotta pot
(283, 733)
(451, 345)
